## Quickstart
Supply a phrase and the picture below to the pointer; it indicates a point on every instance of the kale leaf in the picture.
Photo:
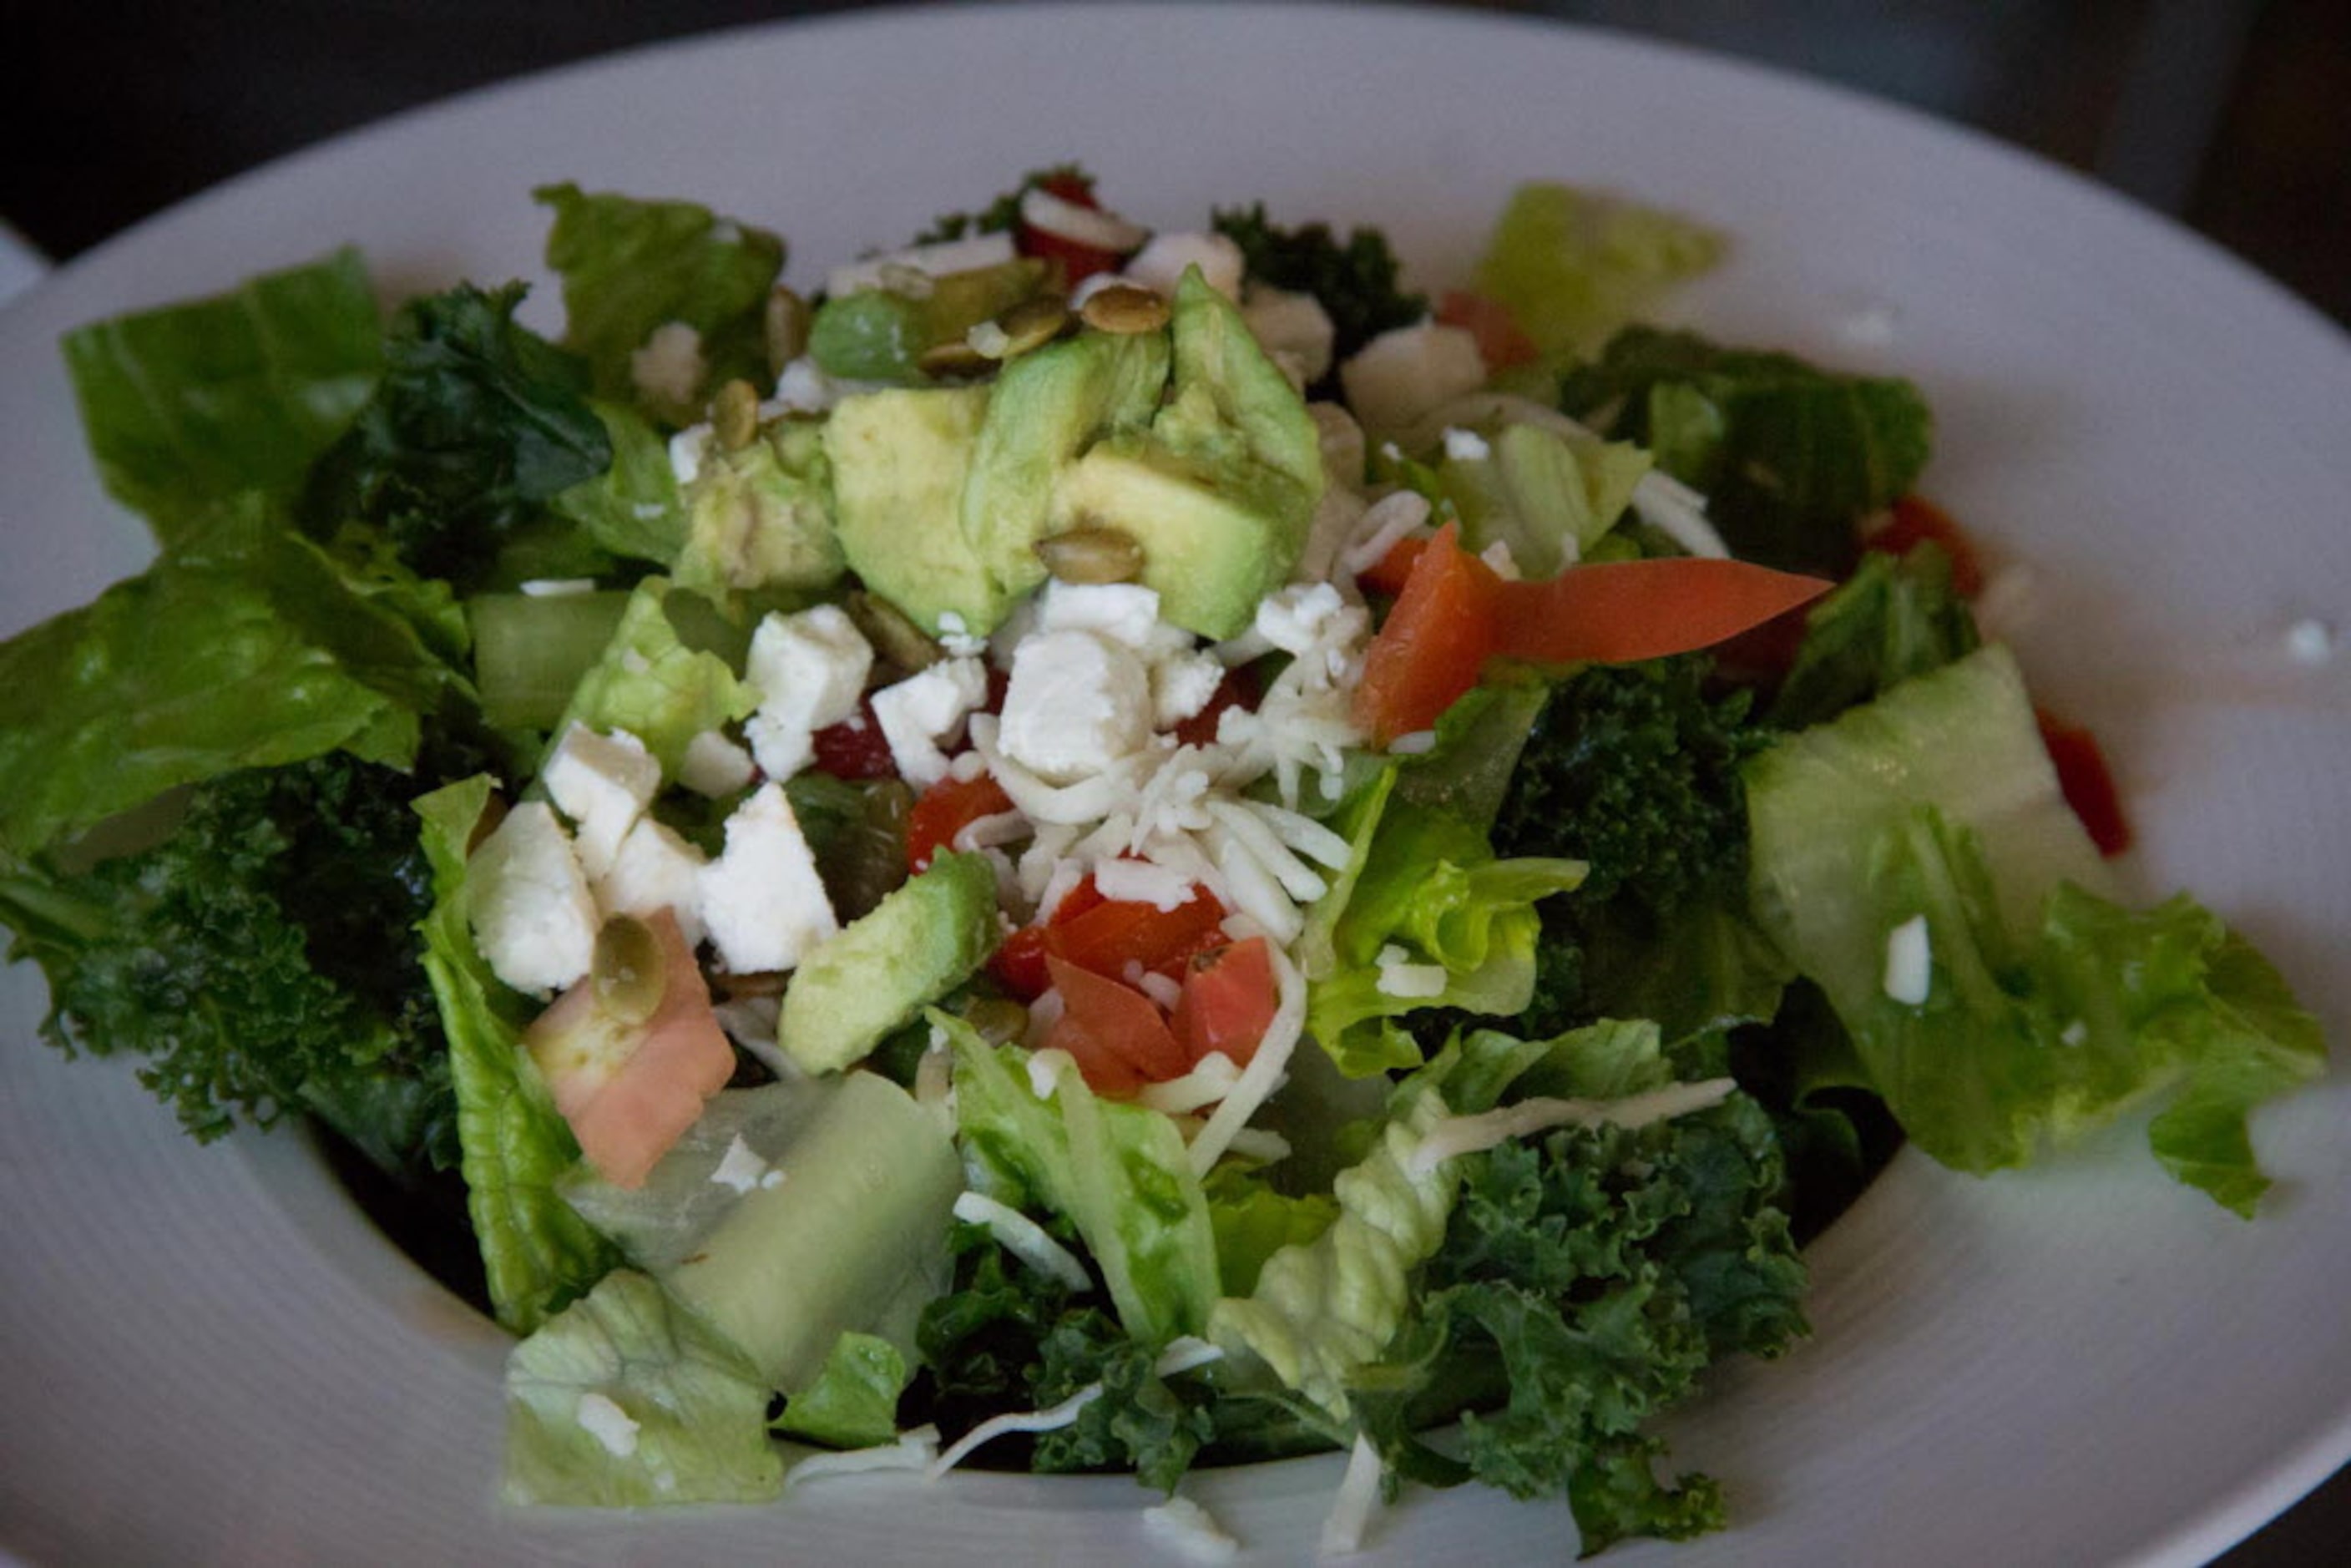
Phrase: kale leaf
(1355, 279)
(244, 957)
(476, 424)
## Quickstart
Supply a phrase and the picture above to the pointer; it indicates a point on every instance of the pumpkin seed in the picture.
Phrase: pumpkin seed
(1032, 324)
(1125, 308)
(893, 636)
(956, 357)
(735, 415)
(786, 323)
(628, 970)
(996, 1018)
(1093, 552)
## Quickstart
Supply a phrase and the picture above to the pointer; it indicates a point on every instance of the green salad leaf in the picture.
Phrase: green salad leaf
(853, 1401)
(1893, 618)
(194, 404)
(1573, 265)
(652, 683)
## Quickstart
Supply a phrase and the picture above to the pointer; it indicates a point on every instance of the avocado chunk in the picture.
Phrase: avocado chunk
(1253, 402)
(879, 334)
(899, 459)
(875, 973)
(1050, 406)
(761, 516)
(792, 1214)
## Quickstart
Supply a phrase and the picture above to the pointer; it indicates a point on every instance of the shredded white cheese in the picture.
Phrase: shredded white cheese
(1023, 1238)
(1205, 1084)
(1457, 1135)
(914, 1450)
(996, 1426)
(1191, 1530)
(1183, 1354)
(1352, 1508)
(1263, 1075)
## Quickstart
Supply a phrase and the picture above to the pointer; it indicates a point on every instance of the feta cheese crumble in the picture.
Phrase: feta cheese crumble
(1909, 966)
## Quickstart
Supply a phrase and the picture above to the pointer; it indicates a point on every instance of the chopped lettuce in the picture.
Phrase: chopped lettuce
(1117, 1172)
(623, 1400)
(632, 508)
(194, 404)
(1895, 618)
(631, 268)
(1789, 456)
(2029, 1007)
(1544, 499)
(540, 1256)
(853, 1401)
(650, 681)
(1574, 265)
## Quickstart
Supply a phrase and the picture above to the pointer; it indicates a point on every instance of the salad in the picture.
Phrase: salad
(1087, 848)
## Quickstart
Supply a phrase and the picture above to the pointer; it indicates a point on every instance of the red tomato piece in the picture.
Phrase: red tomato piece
(1110, 934)
(1228, 1001)
(1500, 341)
(855, 748)
(1389, 573)
(945, 810)
(1018, 963)
(1919, 521)
(2087, 784)
(1435, 639)
(629, 1088)
(1117, 1034)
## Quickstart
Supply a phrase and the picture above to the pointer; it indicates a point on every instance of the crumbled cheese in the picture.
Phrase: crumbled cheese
(603, 783)
(1077, 702)
(1191, 1530)
(605, 1421)
(1091, 227)
(1399, 976)
(714, 766)
(1161, 264)
(1125, 612)
(762, 899)
(558, 587)
(925, 712)
(1413, 742)
(1024, 1238)
(808, 670)
(922, 261)
(534, 917)
(669, 367)
(1498, 556)
(1406, 371)
(1357, 1498)
(1045, 1068)
(958, 638)
(804, 387)
(656, 869)
(687, 449)
(1295, 324)
(2310, 641)
(1182, 686)
(1466, 446)
(2075, 1033)
(988, 340)
(1295, 618)
(1909, 962)
(740, 1167)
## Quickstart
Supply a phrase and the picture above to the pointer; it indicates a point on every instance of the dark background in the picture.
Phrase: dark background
(2233, 116)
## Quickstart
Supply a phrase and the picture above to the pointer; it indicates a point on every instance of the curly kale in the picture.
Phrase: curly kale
(1355, 279)
(244, 957)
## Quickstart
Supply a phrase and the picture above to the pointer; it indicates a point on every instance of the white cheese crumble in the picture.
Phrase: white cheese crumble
(1141, 881)
(1161, 264)
(740, 1167)
(808, 669)
(533, 914)
(925, 712)
(605, 1421)
(1024, 1238)
(1466, 446)
(1498, 557)
(670, 365)
(762, 900)
(687, 449)
(603, 783)
(656, 869)
(1413, 743)
(1078, 701)
(1125, 612)
(1909, 962)
(1400, 976)
(714, 766)
(958, 638)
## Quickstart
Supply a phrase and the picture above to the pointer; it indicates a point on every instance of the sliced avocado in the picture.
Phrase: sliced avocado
(899, 459)
(761, 516)
(879, 334)
(1049, 407)
(1215, 352)
(1216, 539)
(877, 972)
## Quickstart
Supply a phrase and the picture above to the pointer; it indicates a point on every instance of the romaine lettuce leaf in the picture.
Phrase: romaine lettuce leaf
(1573, 265)
(538, 1254)
(631, 266)
(622, 1400)
(632, 508)
(853, 1402)
(1893, 618)
(1119, 1173)
(194, 404)
(1544, 499)
(650, 683)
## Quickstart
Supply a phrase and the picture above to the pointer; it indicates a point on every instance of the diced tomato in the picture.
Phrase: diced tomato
(1117, 1034)
(1917, 521)
(855, 748)
(2087, 783)
(1433, 643)
(1228, 1001)
(1116, 932)
(1500, 341)
(1018, 963)
(946, 809)
(1389, 573)
(630, 1087)
(1455, 612)
(1237, 690)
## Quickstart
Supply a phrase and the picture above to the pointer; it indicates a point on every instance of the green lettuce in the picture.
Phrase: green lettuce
(623, 1400)
(539, 1254)
(632, 508)
(1893, 618)
(1789, 456)
(1119, 1173)
(650, 681)
(1573, 265)
(631, 266)
(1546, 500)
(1427, 884)
(195, 405)
(853, 1401)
